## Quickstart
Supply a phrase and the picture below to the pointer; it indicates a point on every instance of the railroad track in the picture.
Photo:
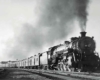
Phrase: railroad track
(20, 74)
(59, 75)
(63, 75)
(3, 72)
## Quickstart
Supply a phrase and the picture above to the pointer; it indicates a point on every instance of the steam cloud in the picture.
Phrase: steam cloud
(55, 23)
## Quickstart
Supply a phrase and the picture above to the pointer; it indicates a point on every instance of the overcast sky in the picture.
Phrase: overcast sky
(28, 27)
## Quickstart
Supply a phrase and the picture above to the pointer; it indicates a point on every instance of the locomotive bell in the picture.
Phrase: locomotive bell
(83, 34)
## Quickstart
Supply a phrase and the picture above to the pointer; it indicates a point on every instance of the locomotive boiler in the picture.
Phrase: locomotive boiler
(83, 43)
(79, 54)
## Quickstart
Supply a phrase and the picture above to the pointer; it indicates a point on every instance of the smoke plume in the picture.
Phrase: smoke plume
(56, 22)
(81, 12)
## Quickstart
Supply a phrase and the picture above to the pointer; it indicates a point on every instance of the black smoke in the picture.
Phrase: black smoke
(55, 23)
(81, 12)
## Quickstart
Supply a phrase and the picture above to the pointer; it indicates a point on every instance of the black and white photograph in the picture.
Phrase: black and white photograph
(49, 39)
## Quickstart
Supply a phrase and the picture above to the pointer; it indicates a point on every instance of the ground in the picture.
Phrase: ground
(19, 74)
(22, 75)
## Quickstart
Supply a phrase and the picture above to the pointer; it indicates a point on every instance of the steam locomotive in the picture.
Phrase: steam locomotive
(76, 55)
(79, 55)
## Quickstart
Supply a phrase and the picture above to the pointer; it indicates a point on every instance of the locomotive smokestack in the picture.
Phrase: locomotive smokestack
(83, 34)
